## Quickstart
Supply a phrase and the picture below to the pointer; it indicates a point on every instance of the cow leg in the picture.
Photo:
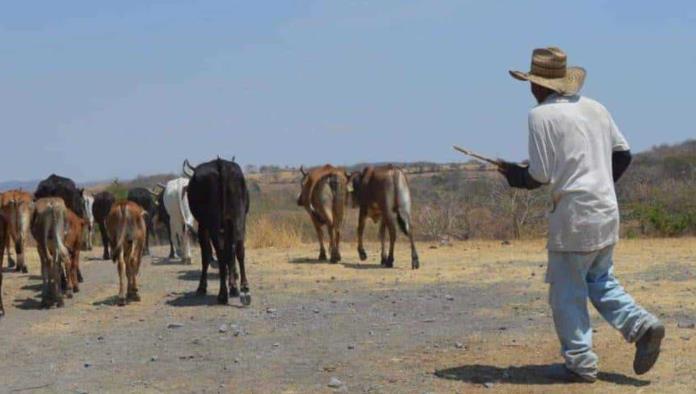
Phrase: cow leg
(337, 238)
(146, 252)
(10, 260)
(391, 226)
(174, 241)
(361, 229)
(105, 240)
(206, 252)
(136, 270)
(121, 278)
(45, 303)
(77, 275)
(172, 255)
(415, 263)
(223, 258)
(57, 268)
(382, 240)
(186, 246)
(68, 269)
(232, 273)
(320, 237)
(245, 296)
(332, 242)
(19, 251)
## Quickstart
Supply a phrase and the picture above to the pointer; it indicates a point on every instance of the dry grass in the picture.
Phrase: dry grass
(267, 232)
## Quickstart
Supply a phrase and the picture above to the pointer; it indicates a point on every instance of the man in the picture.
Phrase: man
(576, 148)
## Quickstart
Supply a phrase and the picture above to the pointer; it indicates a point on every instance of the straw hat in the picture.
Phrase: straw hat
(549, 70)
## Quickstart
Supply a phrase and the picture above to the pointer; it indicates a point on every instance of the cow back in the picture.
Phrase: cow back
(65, 188)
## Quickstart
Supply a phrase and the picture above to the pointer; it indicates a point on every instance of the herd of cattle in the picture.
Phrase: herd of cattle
(210, 202)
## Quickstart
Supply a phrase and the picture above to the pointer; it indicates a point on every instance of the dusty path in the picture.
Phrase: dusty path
(474, 318)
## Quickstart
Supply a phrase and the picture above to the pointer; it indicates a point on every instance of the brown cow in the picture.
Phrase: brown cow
(74, 230)
(16, 206)
(323, 195)
(3, 237)
(126, 228)
(382, 193)
(48, 227)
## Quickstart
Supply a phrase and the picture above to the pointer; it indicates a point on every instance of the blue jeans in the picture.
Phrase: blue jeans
(575, 277)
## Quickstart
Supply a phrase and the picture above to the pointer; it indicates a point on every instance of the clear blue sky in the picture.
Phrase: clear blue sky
(94, 89)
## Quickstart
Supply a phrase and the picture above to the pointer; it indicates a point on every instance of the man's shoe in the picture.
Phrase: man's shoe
(648, 348)
(561, 373)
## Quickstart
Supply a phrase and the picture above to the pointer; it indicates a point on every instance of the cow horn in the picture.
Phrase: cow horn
(302, 171)
(154, 193)
(187, 169)
(162, 185)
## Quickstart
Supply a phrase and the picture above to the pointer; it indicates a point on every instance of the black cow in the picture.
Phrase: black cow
(143, 197)
(219, 201)
(163, 217)
(100, 210)
(65, 188)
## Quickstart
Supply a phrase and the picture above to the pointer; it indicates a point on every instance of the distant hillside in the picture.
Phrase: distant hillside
(24, 185)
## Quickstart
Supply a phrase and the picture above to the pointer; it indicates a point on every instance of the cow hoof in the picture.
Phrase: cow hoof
(11, 263)
(59, 303)
(69, 294)
(335, 259)
(24, 269)
(121, 302)
(76, 289)
(186, 261)
(106, 257)
(362, 254)
(245, 298)
(222, 298)
(415, 264)
(383, 262)
(45, 304)
(201, 291)
(135, 297)
(322, 256)
(234, 292)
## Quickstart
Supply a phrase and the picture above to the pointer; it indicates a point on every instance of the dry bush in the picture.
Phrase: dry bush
(267, 231)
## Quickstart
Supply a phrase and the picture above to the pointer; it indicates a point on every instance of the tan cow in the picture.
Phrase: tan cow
(323, 195)
(74, 230)
(16, 206)
(3, 236)
(48, 227)
(382, 193)
(126, 228)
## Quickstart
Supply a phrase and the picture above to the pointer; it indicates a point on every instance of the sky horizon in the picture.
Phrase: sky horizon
(95, 91)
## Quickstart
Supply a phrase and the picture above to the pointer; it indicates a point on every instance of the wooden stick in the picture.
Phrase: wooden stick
(495, 162)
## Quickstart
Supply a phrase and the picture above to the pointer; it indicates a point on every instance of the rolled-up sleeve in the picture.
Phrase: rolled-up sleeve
(541, 157)
(618, 141)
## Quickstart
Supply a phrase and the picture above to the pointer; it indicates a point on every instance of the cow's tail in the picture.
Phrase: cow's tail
(57, 229)
(339, 191)
(120, 234)
(402, 203)
(222, 189)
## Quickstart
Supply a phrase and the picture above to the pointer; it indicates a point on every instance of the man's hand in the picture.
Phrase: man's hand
(517, 175)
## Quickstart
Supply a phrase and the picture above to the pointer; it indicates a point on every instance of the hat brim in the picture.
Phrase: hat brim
(567, 86)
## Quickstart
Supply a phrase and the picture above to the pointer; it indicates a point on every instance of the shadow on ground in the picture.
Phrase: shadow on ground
(28, 303)
(195, 275)
(193, 299)
(307, 260)
(526, 374)
(360, 266)
(168, 261)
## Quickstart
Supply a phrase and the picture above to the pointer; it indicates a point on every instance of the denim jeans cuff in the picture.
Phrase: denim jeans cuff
(641, 326)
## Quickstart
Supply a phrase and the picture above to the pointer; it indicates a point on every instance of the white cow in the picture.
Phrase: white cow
(89, 218)
(181, 221)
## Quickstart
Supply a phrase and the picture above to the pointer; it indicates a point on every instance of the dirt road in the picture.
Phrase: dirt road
(473, 318)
